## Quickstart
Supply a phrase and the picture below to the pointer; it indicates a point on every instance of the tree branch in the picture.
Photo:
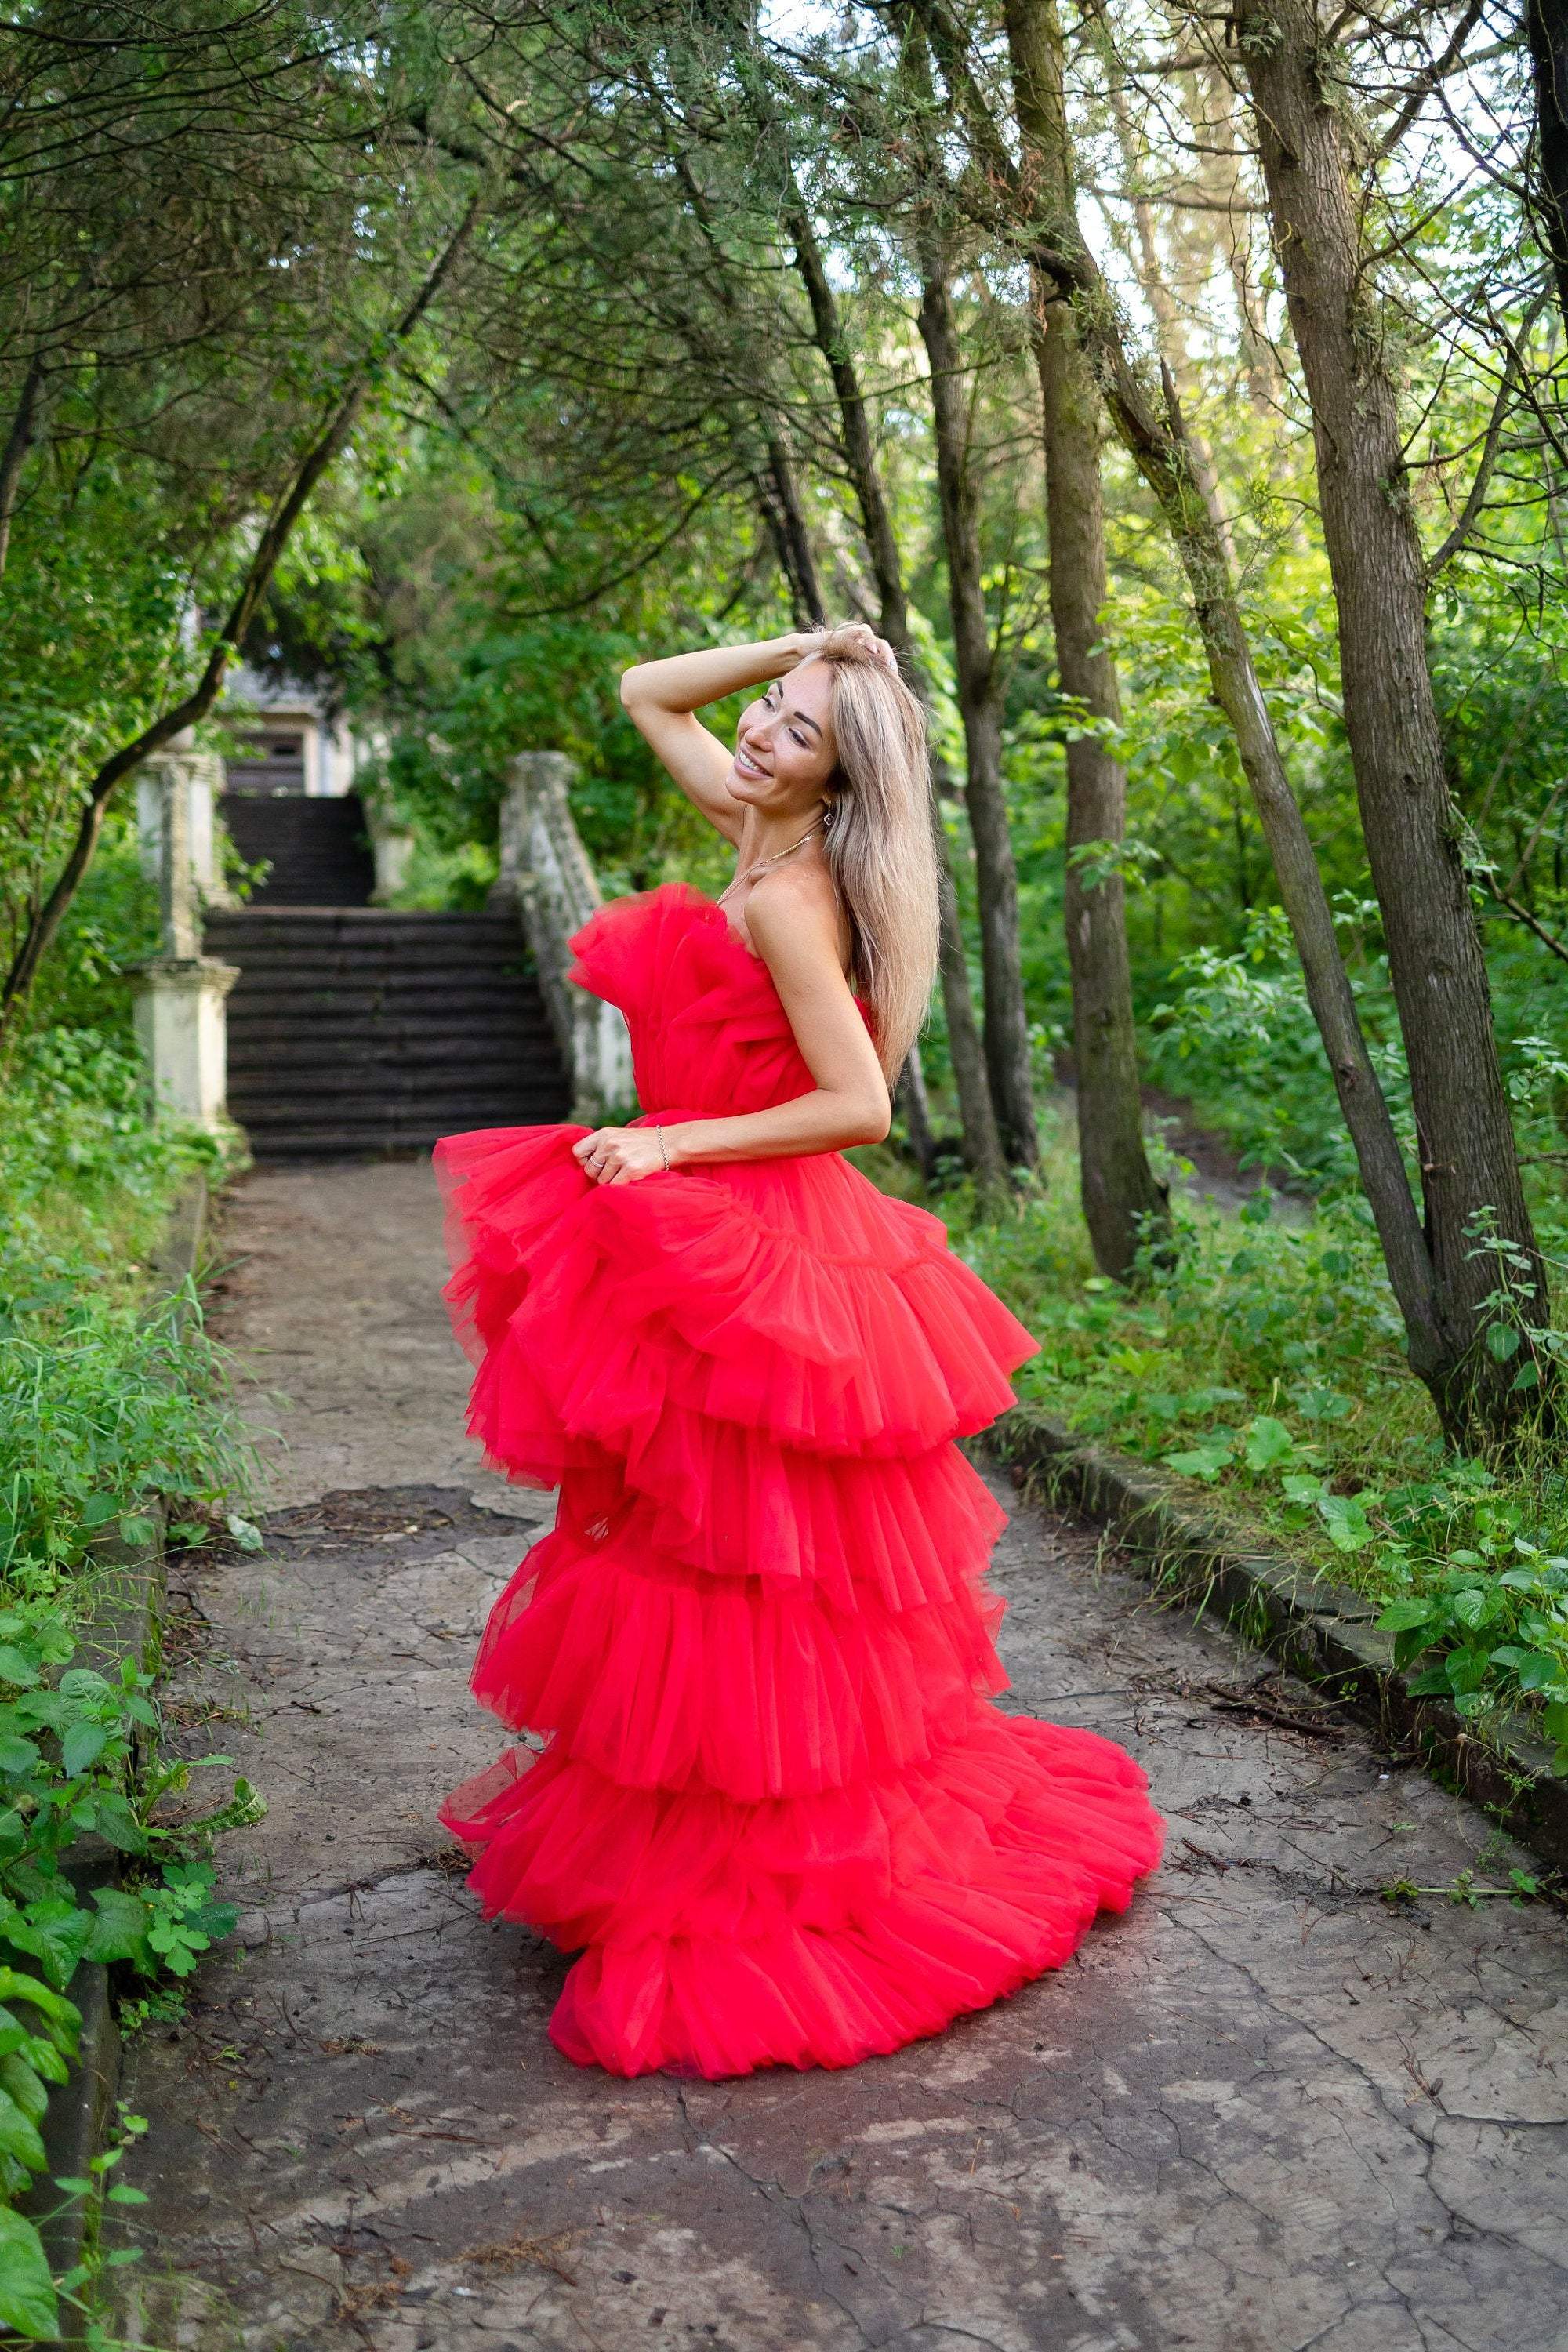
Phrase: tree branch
(327, 445)
(1470, 513)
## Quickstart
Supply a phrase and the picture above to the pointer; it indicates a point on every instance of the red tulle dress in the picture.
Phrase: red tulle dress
(774, 1810)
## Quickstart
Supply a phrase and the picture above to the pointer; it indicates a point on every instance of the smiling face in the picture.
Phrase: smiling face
(784, 750)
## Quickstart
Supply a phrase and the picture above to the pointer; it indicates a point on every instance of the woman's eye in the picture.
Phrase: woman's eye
(799, 738)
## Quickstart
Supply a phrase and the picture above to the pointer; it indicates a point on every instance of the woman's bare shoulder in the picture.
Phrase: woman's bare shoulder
(796, 910)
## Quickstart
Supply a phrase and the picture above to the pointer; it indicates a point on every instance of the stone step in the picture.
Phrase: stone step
(430, 968)
(360, 1031)
(300, 925)
(300, 1048)
(369, 1111)
(319, 850)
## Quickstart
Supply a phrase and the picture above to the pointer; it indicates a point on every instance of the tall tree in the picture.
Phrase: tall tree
(980, 688)
(1153, 434)
(1124, 1205)
(1319, 184)
(977, 1111)
(1546, 27)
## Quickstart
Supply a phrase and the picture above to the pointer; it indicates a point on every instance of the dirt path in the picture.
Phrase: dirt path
(1263, 2112)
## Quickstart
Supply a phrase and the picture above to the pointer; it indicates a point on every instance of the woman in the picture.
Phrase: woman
(775, 1812)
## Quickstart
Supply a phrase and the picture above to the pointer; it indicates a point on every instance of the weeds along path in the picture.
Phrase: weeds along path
(1264, 2111)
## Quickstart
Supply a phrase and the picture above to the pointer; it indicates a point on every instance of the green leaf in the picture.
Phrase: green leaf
(50, 2062)
(53, 1933)
(1269, 1443)
(98, 1509)
(26, 2290)
(18, 1756)
(15, 1667)
(22, 2082)
(119, 1925)
(1205, 1460)
(19, 2136)
(135, 1528)
(1297, 1487)
(1400, 1616)
(16, 1986)
(1344, 1516)
(1503, 1341)
(117, 1824)
(82, 1745)
(82, 1682)
(246, 1534)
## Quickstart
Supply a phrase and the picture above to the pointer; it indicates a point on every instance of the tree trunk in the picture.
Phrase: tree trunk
(1124, 1205)
(14, 457)
(980, 701)
(977, 1113)
(780, 494)
(1547, 27)
(1470, 1170)
(965, 1050)
(1008, 201)
(915, 1105)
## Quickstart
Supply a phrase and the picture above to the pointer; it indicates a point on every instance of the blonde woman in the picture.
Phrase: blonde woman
(775, 1812)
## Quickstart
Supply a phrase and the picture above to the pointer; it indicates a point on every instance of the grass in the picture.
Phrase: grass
(1265, 1370)
(110, 1400)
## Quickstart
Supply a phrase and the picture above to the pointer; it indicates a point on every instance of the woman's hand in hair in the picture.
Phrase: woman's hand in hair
(864, 638)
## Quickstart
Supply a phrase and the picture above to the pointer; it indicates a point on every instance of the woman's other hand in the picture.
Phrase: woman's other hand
(860, 634)
(620, 1155)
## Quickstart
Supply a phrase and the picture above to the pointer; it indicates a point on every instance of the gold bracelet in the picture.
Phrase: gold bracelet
(662, 1152)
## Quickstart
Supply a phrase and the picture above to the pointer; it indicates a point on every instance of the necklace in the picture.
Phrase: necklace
(759, 864)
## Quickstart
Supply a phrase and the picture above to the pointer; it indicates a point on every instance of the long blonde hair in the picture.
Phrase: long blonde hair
(878, 836)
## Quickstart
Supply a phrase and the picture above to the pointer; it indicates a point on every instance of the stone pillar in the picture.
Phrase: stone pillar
(179, 1001)
(546, 874)
(392, 846)
(196, 780)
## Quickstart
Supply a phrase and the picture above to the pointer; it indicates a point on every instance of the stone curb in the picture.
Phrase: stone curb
(124, 1618)
(1324, 1632)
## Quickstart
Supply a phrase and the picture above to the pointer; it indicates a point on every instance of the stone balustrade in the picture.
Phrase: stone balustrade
(546, 872)
(181, 992)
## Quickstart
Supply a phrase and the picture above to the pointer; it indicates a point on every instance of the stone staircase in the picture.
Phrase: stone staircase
(317, 849)
(360, 1032)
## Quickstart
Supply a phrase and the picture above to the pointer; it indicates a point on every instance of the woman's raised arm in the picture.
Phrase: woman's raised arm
(660, 698)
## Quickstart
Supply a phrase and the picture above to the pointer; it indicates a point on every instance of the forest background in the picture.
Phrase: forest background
(1180, 389)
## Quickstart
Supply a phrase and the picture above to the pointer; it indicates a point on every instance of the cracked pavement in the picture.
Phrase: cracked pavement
(1267, 2110)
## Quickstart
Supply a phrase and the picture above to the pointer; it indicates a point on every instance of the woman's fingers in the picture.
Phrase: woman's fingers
(617, 1155)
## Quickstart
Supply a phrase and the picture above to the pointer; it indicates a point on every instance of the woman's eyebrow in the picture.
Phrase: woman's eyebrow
(802, 720)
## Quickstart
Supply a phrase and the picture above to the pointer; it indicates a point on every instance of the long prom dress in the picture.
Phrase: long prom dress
(774, 1810)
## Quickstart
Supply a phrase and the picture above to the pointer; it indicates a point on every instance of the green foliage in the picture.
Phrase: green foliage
(113, 1407)
(1265, 1367)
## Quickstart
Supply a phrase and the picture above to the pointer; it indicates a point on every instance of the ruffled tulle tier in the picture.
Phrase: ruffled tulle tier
(723, 1936)
(906, 1531)
(662, 1678)
(595, 1313)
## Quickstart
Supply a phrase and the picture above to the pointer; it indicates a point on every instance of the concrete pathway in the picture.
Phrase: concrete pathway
(1266, 2111)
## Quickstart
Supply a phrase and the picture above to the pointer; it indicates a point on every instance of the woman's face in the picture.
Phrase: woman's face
(784, 751)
